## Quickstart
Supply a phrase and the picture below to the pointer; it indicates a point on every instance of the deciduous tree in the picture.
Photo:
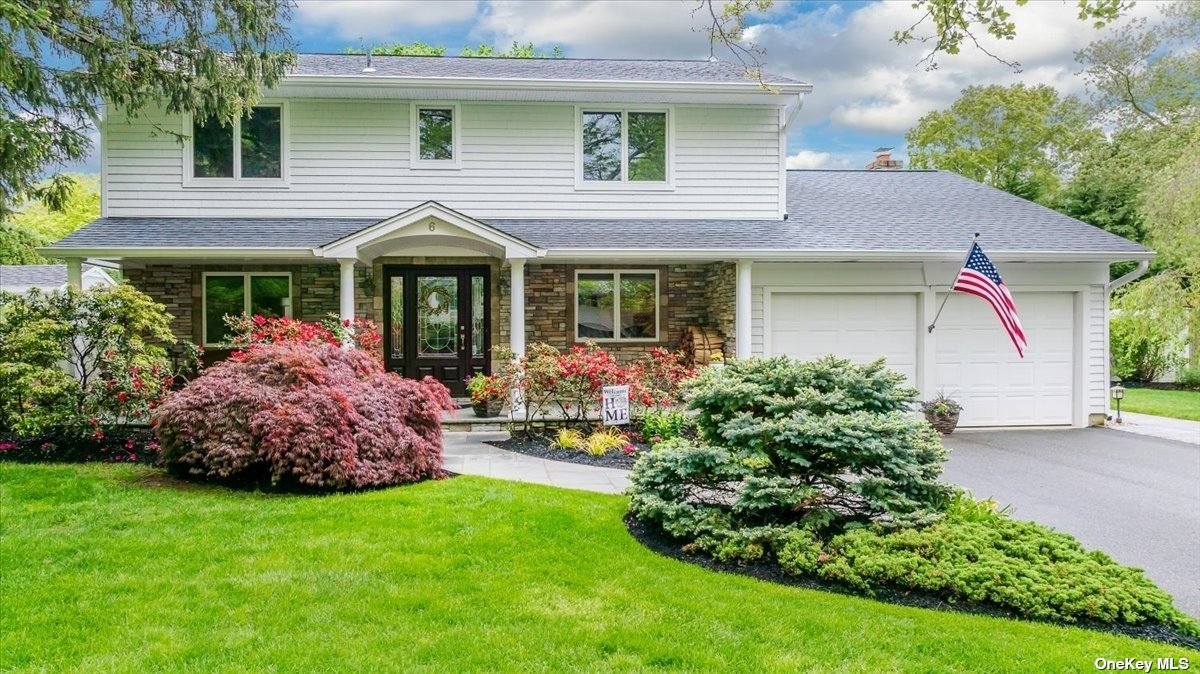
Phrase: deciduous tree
(1021, 139)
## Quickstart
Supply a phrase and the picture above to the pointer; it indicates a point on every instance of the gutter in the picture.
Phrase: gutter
(541, 84)
(1138, 272)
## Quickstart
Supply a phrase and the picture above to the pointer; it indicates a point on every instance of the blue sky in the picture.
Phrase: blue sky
(867, 90)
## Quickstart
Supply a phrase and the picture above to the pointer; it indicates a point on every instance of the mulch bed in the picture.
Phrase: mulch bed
(540, 447)
(660, 542)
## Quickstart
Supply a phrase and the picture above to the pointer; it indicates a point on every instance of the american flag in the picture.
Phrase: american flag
(980, 278)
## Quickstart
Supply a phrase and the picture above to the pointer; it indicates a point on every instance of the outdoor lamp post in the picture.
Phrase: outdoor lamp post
(1117, 393)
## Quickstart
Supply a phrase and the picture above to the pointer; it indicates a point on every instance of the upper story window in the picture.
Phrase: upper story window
(435, 135)
(250, 149)
(624, 147)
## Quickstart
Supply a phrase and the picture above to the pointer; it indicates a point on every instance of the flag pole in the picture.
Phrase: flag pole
(947, 297)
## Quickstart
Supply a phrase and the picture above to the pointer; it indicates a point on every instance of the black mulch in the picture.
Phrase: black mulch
(662, 543)
(540, 447)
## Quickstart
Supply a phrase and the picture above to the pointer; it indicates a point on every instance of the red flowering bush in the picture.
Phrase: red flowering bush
(308, 416)
(249, 331)
(573, 381)
(656, 380)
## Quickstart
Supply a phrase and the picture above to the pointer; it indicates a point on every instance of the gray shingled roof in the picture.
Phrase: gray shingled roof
(566, 70)
(828, 211)
(22, 277)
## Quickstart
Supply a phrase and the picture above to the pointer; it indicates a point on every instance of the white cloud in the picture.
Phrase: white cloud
(808, 159)
(378, 20)
(864, 82)
(596, 28)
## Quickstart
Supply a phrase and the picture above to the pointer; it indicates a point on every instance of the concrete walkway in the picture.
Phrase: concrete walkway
(468, 454)
(1181, 430)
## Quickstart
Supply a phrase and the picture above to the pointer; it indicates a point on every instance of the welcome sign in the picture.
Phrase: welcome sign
(615, 405)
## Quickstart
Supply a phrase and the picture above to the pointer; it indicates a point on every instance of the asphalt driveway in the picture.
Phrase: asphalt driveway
(1135, 497)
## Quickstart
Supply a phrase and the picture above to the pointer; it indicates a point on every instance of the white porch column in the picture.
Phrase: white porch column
(516, 314)
(346, 289)
(75, 273)
(742, 310)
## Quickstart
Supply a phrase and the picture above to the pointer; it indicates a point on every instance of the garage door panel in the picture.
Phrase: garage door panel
(976, 363)
(858, 326)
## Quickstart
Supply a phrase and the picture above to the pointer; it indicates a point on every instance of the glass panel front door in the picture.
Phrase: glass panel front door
(437, 323)
(437, 316)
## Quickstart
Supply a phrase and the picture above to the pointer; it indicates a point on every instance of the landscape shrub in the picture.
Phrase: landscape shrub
(308, 416)
(824, 445)
(1189, 377)
(663, 425)
(571, 382)
(257, 329)
(1020, 566)
(568, 438)
(77, 364)
(1147, 328)
(604, 441)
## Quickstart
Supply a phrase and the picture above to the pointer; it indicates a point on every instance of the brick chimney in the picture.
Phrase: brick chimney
(883, 161)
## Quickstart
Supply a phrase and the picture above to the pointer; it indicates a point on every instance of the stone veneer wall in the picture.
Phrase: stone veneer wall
(178, 287)
(688, 296)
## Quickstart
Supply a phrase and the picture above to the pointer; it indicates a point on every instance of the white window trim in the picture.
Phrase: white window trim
(624, 184)
(246, 276)
(617, 306)
(189, 159)
(415, 147)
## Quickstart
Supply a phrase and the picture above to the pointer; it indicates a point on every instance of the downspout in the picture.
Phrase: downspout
(1132, 276)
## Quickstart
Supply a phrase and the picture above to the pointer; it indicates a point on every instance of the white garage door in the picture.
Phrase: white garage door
(976, 363)
(858, 326)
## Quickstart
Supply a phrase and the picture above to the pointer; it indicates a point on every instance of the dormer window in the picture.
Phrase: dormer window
(623, 146)
(435, 136)
(251, 149)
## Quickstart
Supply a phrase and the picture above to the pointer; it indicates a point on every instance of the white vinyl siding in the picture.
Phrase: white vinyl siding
(353, 158)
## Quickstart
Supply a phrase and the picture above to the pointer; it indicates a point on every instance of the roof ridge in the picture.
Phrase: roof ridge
(519, 58)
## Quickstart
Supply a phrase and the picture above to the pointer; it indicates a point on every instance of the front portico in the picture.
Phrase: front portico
(435, 275)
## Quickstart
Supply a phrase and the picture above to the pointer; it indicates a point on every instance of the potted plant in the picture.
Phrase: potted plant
(487, 395)
(942, 413)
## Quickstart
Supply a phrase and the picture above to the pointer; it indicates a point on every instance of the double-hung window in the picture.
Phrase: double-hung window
(623, 147)
(250, 150)
(236, 293)
(436, 135)
(616, 305)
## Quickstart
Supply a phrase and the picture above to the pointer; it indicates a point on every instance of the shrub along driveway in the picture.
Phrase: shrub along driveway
(1135, 497)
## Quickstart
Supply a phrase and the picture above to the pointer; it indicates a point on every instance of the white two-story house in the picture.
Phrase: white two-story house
(464, 203)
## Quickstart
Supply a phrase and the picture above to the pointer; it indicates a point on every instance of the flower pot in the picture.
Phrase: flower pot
(488, 408)
(943, 423)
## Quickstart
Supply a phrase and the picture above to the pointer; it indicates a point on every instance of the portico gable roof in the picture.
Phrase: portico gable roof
(428, 222)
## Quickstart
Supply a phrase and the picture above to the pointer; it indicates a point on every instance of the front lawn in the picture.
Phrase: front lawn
(108, 567)
(1163, 403)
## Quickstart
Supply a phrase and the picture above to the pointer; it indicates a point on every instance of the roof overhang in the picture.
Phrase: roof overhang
(784, 255)
(178, 253)
(567, 91)
(428, 223)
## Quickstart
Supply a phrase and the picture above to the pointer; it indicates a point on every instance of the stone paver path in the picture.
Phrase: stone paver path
(1160, 427)
(468, 454)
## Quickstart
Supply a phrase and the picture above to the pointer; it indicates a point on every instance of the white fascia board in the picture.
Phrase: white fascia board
(780, 255)
(545, 84)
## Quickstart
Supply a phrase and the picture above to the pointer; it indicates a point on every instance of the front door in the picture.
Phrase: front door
(437, 323)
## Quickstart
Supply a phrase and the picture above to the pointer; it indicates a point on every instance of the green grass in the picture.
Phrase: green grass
(108, 568)
(1175, 404)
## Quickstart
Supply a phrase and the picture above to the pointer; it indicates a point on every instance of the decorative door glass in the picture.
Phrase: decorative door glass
(477, 312)
(397, 310)
(437, 315)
